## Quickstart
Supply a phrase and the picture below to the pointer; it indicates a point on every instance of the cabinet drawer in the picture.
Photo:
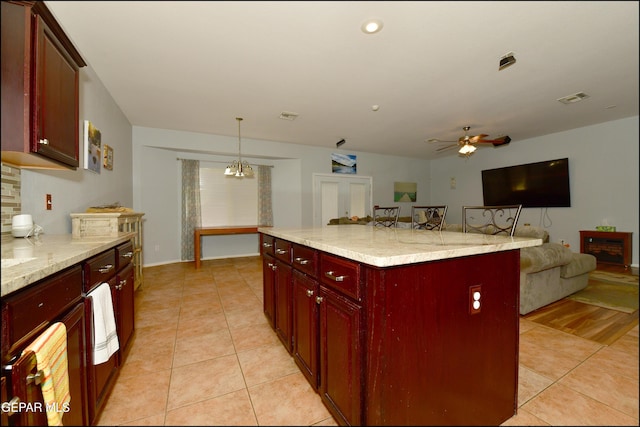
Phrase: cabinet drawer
(266, 244)
(40, 304)
(99, 269)
(282, 250)
(305, 259)
(341, 275)
(124, 255)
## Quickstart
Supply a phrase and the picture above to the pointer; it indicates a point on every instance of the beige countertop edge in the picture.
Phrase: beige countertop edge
(382, 247)
(48, 254)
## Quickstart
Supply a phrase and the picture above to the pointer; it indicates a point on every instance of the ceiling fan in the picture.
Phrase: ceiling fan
(467, 144)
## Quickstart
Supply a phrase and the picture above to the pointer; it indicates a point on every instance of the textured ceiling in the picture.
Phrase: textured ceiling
(196, 65)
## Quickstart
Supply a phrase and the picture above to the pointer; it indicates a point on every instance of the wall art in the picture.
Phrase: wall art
(404, 191)
(108, 157)
(343, 163)
(92, 147)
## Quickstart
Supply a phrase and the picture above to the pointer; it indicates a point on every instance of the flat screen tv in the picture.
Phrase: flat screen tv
(534, 185)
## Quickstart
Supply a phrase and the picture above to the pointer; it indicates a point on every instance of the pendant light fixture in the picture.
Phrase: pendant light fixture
(239, 168)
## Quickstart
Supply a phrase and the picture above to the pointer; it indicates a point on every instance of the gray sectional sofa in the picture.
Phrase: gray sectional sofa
(548, 272)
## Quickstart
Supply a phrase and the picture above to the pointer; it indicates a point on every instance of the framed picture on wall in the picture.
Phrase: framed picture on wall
(404, 191)
(108, 157)
(92, 147)
(343, 163)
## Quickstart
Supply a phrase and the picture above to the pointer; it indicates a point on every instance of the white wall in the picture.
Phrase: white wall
(156, 152)
(603, 171)
(603, 174)
(75, 191)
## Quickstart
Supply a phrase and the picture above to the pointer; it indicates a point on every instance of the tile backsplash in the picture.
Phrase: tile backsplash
(11, 202)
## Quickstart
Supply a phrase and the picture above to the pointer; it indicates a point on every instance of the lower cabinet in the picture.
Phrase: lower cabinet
(404, 345)
(341, 357)
(269, 290)
(124, 308)
(25, 316)
(305, 326)
(283, 309)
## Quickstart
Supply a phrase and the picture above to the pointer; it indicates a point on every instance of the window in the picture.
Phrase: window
(227, 200)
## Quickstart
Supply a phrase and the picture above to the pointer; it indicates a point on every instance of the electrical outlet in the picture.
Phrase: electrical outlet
(48, 202)
(475, 299)
(157, 248)
(452, 182)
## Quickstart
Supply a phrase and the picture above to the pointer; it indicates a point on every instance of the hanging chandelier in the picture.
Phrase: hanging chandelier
(239, 168)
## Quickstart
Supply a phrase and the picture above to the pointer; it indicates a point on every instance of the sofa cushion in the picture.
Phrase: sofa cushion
(543, 257)
(580, 264)
(521, 231)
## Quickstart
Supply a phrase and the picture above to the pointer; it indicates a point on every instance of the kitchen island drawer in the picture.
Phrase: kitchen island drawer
(30, 311)
(305, 259)
(266, 244)
(341, 275)
(282, 250)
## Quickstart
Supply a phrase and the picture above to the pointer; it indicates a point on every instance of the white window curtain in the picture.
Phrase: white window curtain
(265, 209)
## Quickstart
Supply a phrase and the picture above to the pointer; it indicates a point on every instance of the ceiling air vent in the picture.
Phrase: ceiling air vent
(572, 99)
(287, 115)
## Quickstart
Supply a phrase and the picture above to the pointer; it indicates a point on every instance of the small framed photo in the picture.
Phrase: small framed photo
(92, 147)
(108, 157)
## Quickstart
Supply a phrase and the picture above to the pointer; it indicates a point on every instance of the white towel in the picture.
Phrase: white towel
(105, 336)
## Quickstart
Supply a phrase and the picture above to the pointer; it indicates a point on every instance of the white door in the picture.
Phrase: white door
(335, 196)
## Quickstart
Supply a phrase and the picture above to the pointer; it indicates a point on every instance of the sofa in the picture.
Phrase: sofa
(548, 272)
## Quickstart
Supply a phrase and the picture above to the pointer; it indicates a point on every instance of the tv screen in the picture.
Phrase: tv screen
(534, 185)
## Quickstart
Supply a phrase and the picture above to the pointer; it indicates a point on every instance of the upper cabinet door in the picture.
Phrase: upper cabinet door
(55, 99)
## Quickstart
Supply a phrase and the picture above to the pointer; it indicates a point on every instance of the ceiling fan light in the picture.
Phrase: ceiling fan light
(467, 149)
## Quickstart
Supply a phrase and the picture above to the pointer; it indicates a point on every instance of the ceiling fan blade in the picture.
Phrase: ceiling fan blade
(432, 140)
(503, 140)
(448, 147)
(477, 138)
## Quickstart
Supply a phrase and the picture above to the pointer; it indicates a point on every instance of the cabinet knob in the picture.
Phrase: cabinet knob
(301, 261)
(319, 300)
(127, 255)
(281, 251)
(309, 293)
(44, 141)
(266, 245)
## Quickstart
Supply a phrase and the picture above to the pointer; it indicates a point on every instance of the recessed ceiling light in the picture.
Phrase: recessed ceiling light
(371, 26)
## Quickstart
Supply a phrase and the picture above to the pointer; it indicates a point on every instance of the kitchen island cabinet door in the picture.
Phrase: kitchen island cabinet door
(284, 309)
(341, 357)
(305, 326)
(268, 288)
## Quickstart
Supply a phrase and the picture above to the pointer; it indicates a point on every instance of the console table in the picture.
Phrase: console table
(198, 232)
(609, 247)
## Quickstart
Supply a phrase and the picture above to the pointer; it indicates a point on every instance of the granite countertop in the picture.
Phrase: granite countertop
(27, 260)
(385, 247)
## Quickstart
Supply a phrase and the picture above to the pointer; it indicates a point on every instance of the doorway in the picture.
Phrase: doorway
(335, 196)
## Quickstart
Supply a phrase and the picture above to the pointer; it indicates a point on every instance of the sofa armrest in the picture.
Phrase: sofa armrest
(544, 257)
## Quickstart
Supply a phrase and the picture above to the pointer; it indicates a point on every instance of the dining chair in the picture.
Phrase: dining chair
(386, 216)
(491, 219)
(428, 217)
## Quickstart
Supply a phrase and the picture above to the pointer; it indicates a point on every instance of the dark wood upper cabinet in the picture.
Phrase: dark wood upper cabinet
(40, 89)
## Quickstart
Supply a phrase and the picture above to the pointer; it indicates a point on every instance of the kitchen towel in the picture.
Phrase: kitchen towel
(105, 337)
(51, 357)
